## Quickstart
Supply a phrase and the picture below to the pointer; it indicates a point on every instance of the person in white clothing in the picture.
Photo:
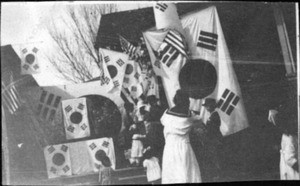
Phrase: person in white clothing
(179, 163)
(285, 118)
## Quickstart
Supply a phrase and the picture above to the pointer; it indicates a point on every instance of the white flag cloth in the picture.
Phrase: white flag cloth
(206, 41)
(29, 60)
(95, 146)
(80, 159)
(105, 80)
(57, 159)
(166, 16)
(133, 79)
(167, 58)
(76, 118)
(116, 65)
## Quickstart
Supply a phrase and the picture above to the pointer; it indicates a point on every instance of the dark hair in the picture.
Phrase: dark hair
(128, 106)
(181, 98)
(151, 99)
(100, 154)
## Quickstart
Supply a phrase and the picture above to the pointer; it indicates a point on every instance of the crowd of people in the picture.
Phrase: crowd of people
(176, 147)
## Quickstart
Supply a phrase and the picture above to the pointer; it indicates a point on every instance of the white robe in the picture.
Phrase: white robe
(179, 164)
(288, 157)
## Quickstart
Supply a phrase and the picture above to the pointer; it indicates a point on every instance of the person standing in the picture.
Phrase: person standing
(213, 142)
(285, 119)
(179, 162)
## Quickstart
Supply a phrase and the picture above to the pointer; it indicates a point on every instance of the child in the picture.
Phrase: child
(106, 172)
(153, 168)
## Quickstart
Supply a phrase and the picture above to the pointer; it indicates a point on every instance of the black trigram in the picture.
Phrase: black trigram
(126, 80)
(168, 54)
(80, 106)
(137, 75)
(157, 63)
(64, 148)
(83, 126)
(161, 6)
(116, 83)
(104, 80)
(228, 101)
(92, 146)
(106, 59)
(51, 149)
(66, 168)
(133, 88)
(36, 66)
(44, 108)
(53, 169)
(207, 40)
(71, 129)
(26, 67)
(120, 62)
(68, 108)
(105, 144)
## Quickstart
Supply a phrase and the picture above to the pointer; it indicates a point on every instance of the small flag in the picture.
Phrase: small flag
(29, 61)
(57, 159)
(101, 145)
(127, 47)
(76, 118)
(207, 40)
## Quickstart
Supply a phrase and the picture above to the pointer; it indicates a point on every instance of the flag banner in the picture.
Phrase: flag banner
(9, 93)
(105, 81)
(57, 159)
(80, 159)
(153, 88)
(127, 47)
(166, 16)
(116, 64)
(133, 78)
(168, 55)
(29, 60)
(206, 42)
(76, 118)
(98, 148)
(47, 104)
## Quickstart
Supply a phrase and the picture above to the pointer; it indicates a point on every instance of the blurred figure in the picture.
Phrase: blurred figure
(285, 119)
(106, 176)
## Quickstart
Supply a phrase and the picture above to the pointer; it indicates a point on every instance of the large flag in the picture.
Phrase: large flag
(116, 64)
(206, 41)
(29, 60)
(105, 81)
(166, 47)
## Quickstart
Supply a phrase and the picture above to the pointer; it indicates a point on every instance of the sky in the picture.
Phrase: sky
(23, 24)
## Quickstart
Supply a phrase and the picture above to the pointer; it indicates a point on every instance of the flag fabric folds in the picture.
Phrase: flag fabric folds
(167, 48)
(116, 64)
(76, 118)
(96, 147)
(166, 16)
(133, 79)
(29, 60)
(206, 41)
(127, 47)
(9, 93)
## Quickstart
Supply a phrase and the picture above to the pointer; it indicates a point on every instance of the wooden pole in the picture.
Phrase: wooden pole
(5, 151)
